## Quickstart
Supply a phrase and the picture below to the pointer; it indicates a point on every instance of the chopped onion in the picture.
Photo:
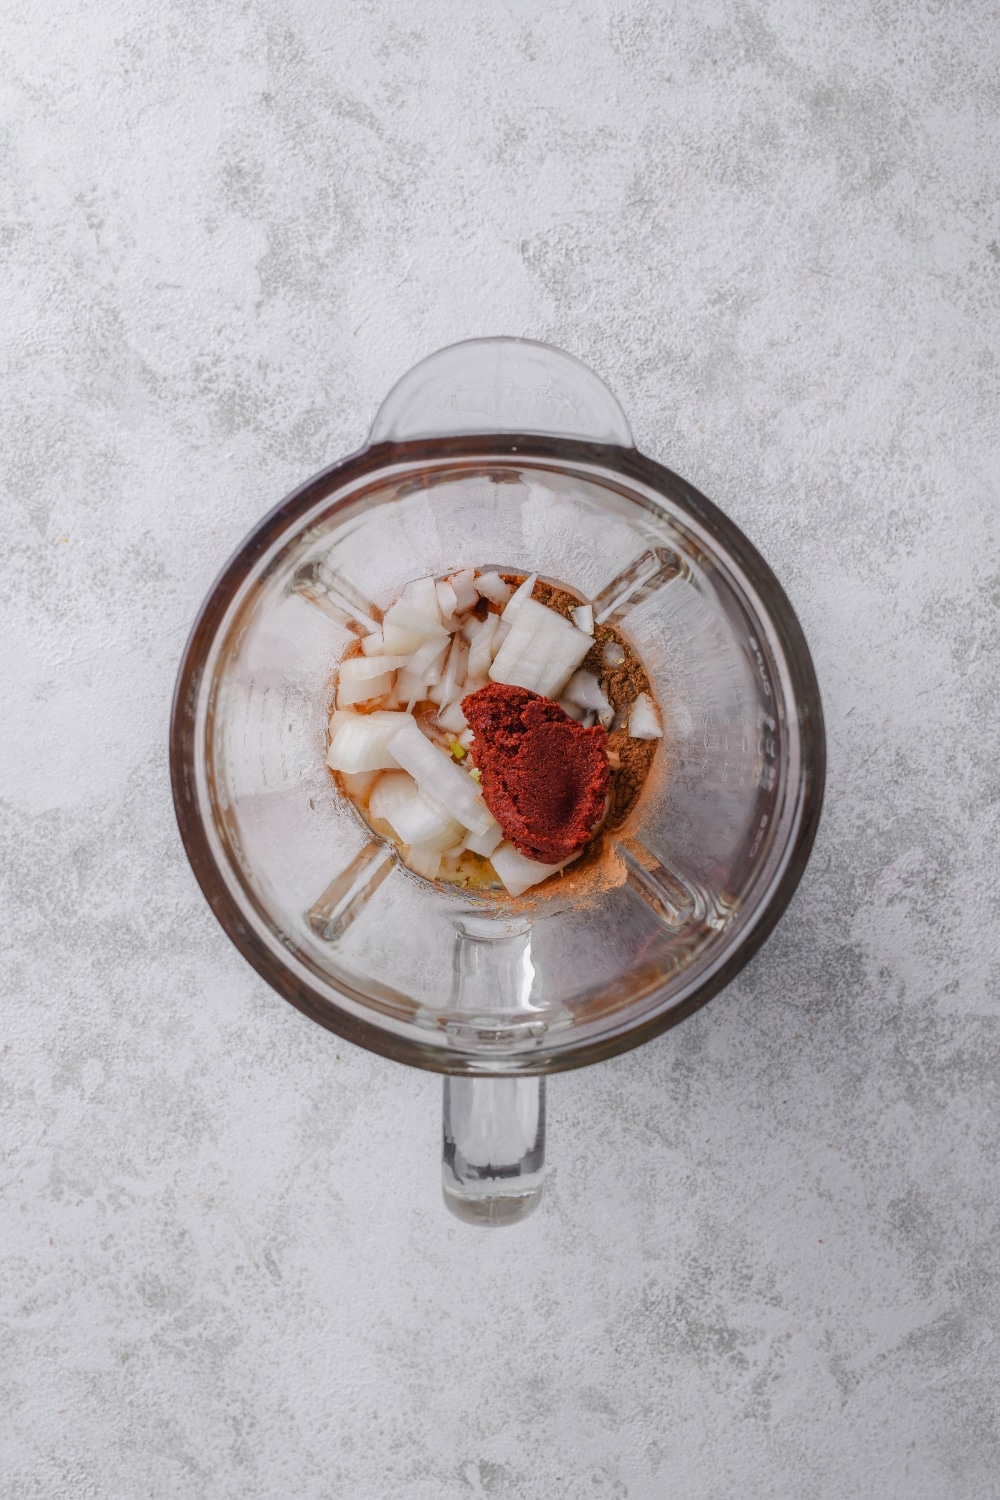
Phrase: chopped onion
(518, 873)
(583, 688)
(358, 668)
(419, 823)
(359, 785)
(361, 690)
(573, 709)
(409, 689)
(453, 674)
(396, 800)
(464, 587)
(466, 738)
(643, 723)
(614, 653)
(492, 586)
(520, 595)
(416, 612)
(427, 662)
(541, 651)
(439, 777)
(360, 741)
(480, 646)
(485, 843)
(392, 790)
(451, 717)
(447, 599)
(583, 618)
(374, 644)
(423, 671)
(399, 640)
(423, 862)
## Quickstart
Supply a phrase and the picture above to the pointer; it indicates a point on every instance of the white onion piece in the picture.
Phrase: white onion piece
(452, 718)
(541, 651)
(473, 684)
(583, 618)
(359, 785)
(518, 873)
(396, 800)
(400, 642)
(464, 587)
(392, 790)
(614, 653)
(461, 664)
(485, 843)
(423, 862)
(409, 689)
(363, 689)
(492, 586)
(643, 723)
(466, 738)
(583, 688)
(374, 644)
(502, 632)
(439, 777)
(481, 646)
(419, 823)
(416, 611)
(573, 709)
(427, 662)
(357, 668)
(520, 595)
(453, 674)
(446, 598)
(360, 741)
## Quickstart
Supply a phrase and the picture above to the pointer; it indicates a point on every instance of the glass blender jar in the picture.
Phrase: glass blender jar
(498, 454)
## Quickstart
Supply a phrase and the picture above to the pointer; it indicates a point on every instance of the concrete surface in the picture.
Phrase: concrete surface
(768, 1263)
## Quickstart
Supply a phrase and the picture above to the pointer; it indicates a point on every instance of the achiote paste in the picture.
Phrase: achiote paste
(543, 776)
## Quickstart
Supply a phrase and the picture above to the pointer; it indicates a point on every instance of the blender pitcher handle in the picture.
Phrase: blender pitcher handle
(498, 385)
(493, 1157)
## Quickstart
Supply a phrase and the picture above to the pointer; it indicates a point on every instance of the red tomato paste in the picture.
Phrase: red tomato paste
(543, 776)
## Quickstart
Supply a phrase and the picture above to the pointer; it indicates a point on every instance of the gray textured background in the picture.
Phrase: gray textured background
(768, 1262)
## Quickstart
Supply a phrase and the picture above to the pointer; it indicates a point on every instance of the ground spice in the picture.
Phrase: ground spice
(544, 777)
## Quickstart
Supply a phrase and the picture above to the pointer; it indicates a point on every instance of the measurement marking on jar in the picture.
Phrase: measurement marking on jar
(758, 836)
